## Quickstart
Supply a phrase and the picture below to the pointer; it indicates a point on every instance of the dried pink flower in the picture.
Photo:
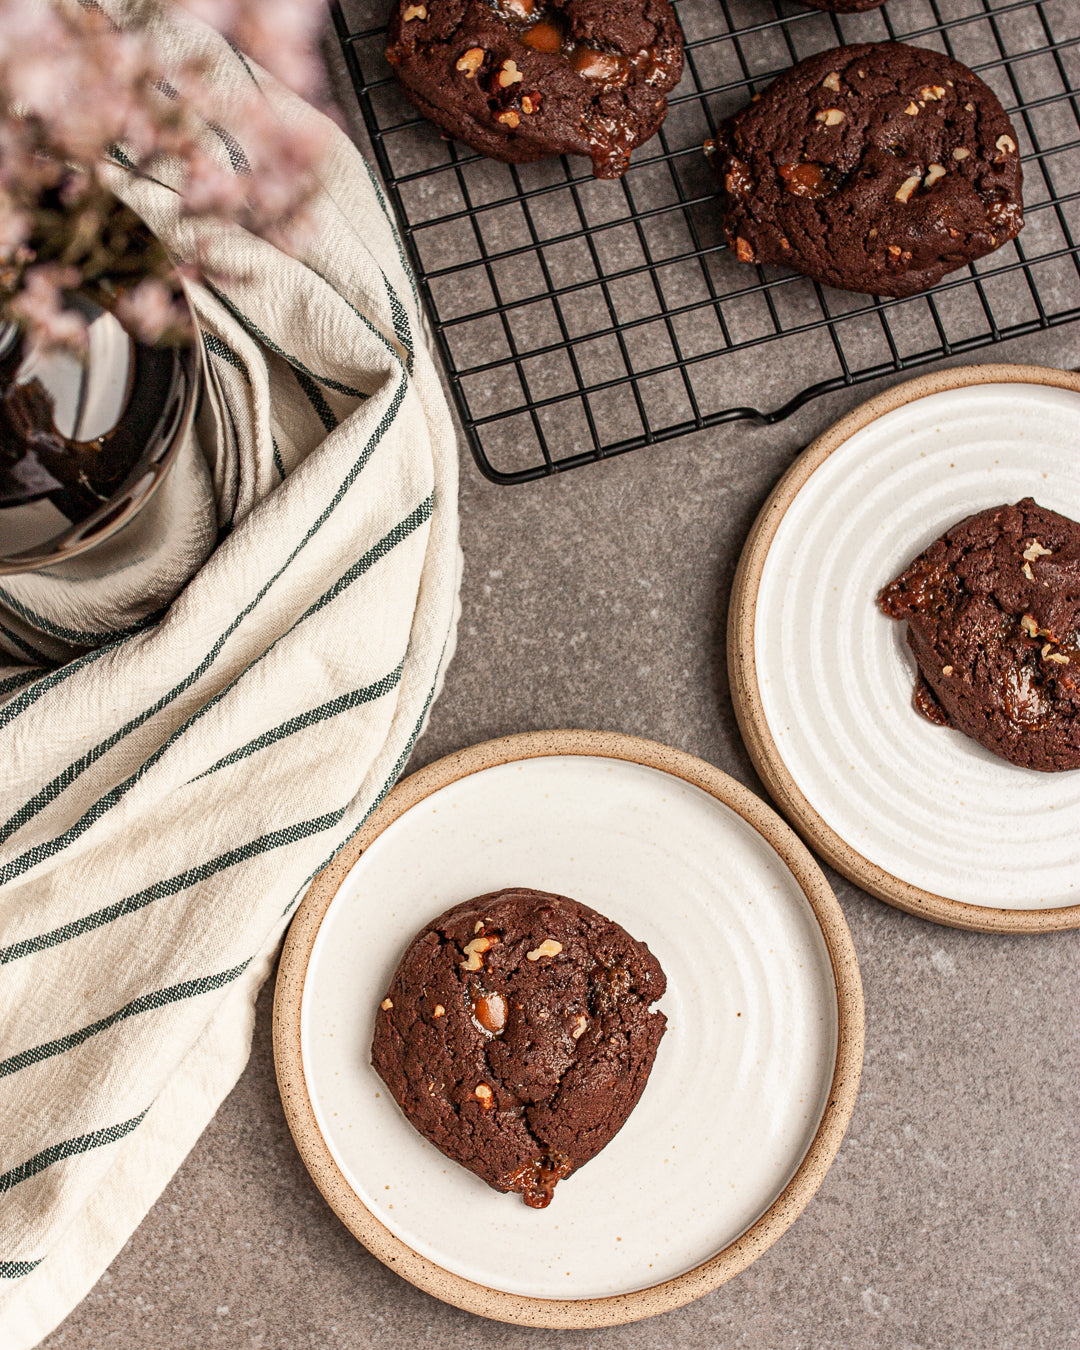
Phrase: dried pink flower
(40, 306)
(151, 310)
(81, 84)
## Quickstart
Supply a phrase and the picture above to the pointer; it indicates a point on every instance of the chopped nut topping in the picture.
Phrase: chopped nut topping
(529, 103)
(580, 1024)
(1028, 624)
(484, 1095)
(508, 118)
(509, 75)
(1059, 657)
(832, 117)
(415, 12)
(474, 951)
(960, 153)
(1006, 145)
(832, 81)
(743, 251)
(1026, 569)
(1035, 550)
(912, 109)
(386, 1004)
(934, 172)
(478, 926)
(907, 187)
(946, 670)
(894, 250)
(933, 93)
(470, 62)
(549, 947)
(872, 232)
(438, 1010)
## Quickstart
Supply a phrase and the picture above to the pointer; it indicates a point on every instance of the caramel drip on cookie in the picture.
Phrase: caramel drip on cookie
(808, 179)
(537, 1179)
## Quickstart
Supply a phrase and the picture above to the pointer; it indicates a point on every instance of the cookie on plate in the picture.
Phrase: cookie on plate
(993, 614)
(879, 167)
(517, 1036)
(524, 79)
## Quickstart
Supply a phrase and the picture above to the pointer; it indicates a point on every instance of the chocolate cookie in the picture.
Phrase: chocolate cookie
(877, 168)
(993, 611)
(516, 1035)
(524, 79)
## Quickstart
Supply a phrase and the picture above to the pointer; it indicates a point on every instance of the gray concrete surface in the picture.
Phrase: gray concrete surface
(951, 1217)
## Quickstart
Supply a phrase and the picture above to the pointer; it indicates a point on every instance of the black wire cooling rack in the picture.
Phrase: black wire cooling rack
(579, 319)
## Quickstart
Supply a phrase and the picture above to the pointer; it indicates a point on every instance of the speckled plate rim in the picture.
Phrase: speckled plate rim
(737, 1255)
(746, 694)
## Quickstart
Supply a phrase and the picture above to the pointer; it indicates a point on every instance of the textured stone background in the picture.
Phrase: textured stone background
(951, 1217)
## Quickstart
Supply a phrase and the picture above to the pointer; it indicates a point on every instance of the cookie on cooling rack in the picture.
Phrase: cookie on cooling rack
(517, 1036)
(993, 615)
(879, 167)
(521, 80)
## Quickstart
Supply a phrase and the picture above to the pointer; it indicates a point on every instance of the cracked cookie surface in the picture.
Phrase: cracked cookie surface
(517, 1036)
(993, 613)
(879, 167)
(520, 80)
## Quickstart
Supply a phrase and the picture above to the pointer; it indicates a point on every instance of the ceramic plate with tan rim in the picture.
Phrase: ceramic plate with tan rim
(753, 1084)
(919, 815)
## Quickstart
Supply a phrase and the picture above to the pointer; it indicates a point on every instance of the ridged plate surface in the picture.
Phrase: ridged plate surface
(925, 804)
(741, 1078)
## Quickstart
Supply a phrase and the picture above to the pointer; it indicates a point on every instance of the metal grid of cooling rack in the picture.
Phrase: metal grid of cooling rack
(579, 319)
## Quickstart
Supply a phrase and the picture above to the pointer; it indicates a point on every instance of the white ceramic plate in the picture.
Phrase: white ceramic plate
(924, 805)
(741, 1078)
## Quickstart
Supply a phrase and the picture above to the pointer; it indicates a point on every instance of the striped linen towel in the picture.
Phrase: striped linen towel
(169, 792)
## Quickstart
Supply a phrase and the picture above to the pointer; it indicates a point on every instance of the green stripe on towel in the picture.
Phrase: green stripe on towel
(253, 328)
(70, 1148)
(15, 1270)
(144, 1003)
(334, 708)
(291, 834)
